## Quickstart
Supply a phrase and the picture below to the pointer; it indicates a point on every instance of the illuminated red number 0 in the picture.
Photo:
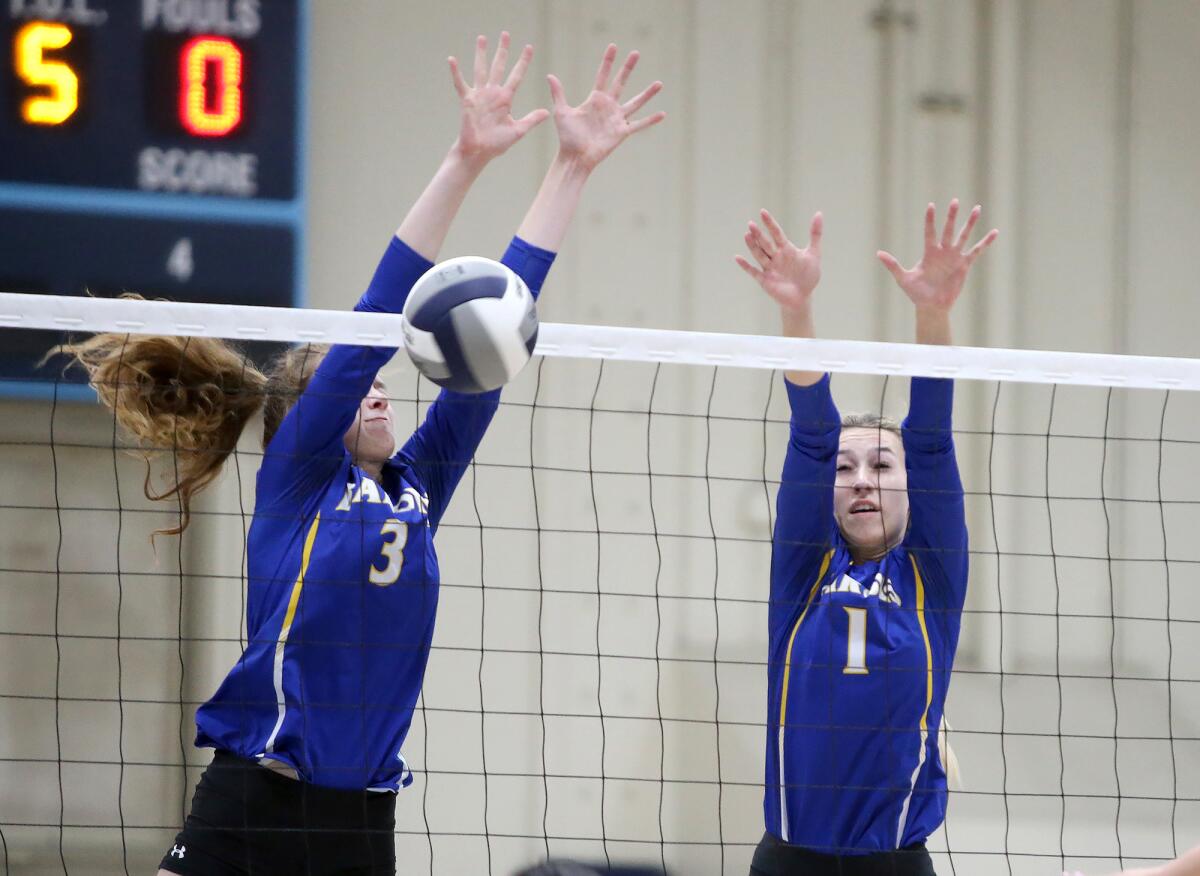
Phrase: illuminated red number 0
(223, 113)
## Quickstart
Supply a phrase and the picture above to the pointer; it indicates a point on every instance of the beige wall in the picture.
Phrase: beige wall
(1075, 122)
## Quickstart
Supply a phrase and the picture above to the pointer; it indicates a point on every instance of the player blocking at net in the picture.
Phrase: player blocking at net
(868, 581)
(342, 574)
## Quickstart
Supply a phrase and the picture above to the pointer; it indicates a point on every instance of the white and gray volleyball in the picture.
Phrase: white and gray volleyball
(470, 324)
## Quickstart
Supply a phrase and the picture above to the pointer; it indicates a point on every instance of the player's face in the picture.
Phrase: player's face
(370, 439)
(870, 498)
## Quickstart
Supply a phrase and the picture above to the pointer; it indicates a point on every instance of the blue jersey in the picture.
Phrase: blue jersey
(860, 655)
(342, 574)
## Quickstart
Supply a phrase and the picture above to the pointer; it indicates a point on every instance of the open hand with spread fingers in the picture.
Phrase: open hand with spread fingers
(935, 282)
(487, 127)
(786, 273)
(589, 132)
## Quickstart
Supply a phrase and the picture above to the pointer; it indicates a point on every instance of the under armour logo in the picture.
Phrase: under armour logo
(178, 851)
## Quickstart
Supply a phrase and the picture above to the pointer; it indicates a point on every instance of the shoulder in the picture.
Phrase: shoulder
(292, 478)
(404, 472)
(942, 584)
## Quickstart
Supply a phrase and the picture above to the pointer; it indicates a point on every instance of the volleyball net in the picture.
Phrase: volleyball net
(597, 684)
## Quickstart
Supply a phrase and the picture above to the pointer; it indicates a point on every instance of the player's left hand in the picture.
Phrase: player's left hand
(935, 282)
(487, 127)
(588, 133)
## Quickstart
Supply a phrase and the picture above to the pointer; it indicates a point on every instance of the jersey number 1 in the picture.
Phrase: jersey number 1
(392, 551)
(856, 642)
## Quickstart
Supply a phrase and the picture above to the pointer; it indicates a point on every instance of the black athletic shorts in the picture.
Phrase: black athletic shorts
(774, 857)
(246, 819)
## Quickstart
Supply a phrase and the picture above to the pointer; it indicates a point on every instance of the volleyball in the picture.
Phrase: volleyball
(470, 324)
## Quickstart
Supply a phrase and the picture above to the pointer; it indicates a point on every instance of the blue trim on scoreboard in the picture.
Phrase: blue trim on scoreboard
(256, 214)
(43, 390)
(300, 272)
(111, 202)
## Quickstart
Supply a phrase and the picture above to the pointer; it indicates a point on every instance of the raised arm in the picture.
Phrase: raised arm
(937, 531)
(444, 444)
(309, 440)
(804, 523)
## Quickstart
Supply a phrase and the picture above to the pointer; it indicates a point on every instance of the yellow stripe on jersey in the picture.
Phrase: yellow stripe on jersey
(286, 628)
(787, 659)
(299, 585)
(787, 674)
(920, 582)
(928, 650)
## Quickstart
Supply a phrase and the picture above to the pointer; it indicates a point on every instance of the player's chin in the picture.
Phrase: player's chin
(379, 451)
(381, 441)
(863, 531)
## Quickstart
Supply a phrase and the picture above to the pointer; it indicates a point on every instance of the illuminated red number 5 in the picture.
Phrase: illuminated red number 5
(222, 59)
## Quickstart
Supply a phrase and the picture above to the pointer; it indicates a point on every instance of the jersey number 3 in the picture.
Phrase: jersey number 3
(395, 537)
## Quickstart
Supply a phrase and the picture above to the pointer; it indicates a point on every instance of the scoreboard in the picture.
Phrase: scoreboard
(150, 146)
